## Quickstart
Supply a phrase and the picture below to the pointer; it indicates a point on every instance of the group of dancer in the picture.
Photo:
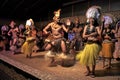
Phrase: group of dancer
(98, 37)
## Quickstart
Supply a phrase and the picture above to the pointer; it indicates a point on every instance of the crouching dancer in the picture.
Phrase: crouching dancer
(56, 42)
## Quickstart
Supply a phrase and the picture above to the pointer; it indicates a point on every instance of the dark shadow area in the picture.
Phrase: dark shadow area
(18, 71)
(113, 71)
(4, 76)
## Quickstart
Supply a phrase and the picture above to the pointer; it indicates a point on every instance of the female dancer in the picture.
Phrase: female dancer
(108, 44)
(30, 41)
(91, 50)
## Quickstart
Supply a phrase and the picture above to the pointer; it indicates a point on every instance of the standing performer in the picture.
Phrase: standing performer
(4, 36)
(91, 50)
(21, 37)
(78, 29)
(14, 33)
(70, 36)
(56, 44)
(30, 39)
(108, 43)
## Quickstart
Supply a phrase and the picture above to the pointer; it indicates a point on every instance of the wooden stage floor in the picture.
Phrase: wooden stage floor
(37, 66)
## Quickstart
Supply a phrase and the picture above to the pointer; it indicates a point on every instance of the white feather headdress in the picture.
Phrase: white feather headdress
(29, 22)
(93, 12)
(109, 18)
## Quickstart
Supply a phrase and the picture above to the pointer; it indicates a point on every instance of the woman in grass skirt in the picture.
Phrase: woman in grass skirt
(108, 40)
(91, 50)
(30, 42)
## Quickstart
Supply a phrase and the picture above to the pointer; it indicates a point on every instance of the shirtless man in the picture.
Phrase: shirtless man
(57, 41)
(13, 43)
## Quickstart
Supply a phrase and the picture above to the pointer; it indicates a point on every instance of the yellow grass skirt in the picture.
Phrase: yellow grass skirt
(89, 54)
(28, 45)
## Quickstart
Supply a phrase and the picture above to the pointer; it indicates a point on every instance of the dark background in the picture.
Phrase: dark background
(42, 10)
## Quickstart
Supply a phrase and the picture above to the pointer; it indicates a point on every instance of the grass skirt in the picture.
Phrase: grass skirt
(28, 45)
(89, 54)
(107, 50)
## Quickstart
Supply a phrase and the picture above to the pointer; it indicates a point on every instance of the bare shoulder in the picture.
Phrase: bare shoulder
(51, 23)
